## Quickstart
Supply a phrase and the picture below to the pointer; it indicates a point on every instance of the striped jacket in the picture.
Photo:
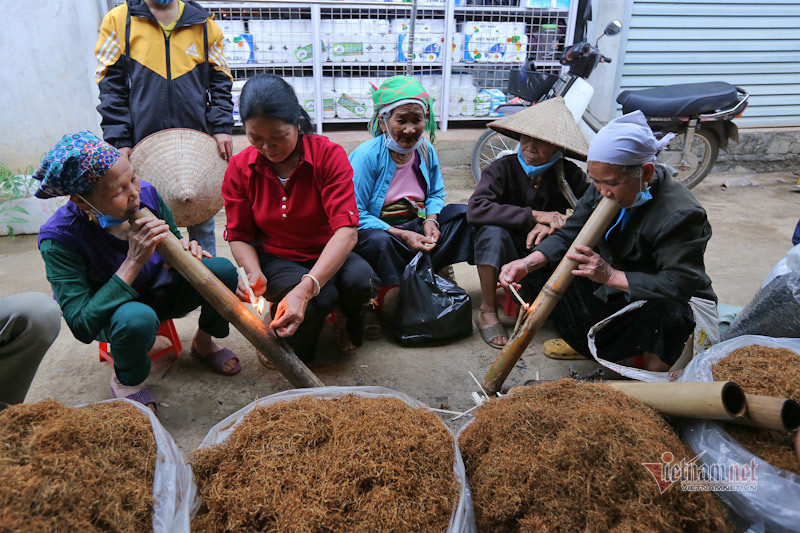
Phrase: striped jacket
(149, 82)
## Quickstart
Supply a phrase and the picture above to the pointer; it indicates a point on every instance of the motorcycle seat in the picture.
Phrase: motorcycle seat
(685, 99)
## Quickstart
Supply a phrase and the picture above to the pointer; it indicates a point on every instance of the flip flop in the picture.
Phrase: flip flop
(144, 396)
(372, 324)
(491, 331)
(559, 349)
(217, 360)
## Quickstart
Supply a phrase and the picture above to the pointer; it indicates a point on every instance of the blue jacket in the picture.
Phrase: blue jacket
(373, 170)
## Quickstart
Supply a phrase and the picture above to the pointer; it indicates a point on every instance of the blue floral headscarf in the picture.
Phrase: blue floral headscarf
(74, 165)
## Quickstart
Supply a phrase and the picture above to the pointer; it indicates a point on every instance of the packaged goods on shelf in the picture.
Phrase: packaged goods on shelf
(353, 97)
(495, 48)
(237, 45)
(403, 25)
(494, 42)
(236, 91)
(487, 100)
(347, 47)
(427, 47)
(281, 41)
(547, 4)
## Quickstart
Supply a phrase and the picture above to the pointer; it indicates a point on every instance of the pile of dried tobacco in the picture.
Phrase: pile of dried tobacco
(344, 464)
(768, 372)
(76, 469)
(568, 456)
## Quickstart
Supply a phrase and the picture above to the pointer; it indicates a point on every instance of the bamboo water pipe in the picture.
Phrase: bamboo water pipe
(782, 414)
(713, 400)
(234, 311)
(547, 299)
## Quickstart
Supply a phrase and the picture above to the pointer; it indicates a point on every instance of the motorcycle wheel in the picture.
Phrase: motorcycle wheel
(703, 154)
(490, 146)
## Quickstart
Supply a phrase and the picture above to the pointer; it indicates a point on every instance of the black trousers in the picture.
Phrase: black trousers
(349, 289)
(495, 246)
(661, 326)
(388, 255)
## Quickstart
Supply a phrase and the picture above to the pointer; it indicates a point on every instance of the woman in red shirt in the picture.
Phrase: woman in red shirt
(292, 218)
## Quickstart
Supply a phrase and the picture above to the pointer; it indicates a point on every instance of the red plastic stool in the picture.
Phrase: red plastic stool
(381, 295)
(510, 305)
(167, 329)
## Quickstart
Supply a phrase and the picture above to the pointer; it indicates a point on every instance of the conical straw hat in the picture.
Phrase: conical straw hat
(185, 167)
(549, 121)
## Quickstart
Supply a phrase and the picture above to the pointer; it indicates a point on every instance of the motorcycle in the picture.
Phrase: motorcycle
(700, 114)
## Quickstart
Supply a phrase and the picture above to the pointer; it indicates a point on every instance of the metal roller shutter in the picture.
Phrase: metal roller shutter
(750, 43)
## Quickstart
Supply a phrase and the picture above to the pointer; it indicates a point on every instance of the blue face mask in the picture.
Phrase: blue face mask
(105, 221)
(163, 2)
(391, 144)
(533, 170)
(642, 198)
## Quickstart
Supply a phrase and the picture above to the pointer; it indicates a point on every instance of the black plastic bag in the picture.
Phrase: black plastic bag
(430, 309)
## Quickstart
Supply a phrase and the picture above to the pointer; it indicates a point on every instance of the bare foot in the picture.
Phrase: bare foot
(490, 318)
(204, 344)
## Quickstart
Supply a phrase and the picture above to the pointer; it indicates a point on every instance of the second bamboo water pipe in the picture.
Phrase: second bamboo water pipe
(549, 296)
(234, 310)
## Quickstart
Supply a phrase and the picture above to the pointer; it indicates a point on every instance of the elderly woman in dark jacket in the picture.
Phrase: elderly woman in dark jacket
(524, 197)
(648, 266)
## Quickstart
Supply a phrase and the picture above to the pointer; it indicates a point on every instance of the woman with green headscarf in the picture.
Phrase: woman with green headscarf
(400, 190)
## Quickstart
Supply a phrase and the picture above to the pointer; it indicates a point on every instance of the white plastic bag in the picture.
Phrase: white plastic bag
(705, 334)
(172, 486)
(461, 521)
(788, 264)
(775, 506)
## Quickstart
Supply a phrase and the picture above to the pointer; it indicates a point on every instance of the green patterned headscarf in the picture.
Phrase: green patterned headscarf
(399, 88)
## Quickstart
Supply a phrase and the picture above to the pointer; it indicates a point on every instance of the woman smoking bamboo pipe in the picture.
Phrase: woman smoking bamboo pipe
(548, 297)
(230, 307)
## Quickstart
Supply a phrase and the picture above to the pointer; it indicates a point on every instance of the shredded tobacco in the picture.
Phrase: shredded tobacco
(76, 469)
(567, 456)
(768, 372)
(346, 464)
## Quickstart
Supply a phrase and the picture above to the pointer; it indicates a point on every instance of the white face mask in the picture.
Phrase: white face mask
(391, 144)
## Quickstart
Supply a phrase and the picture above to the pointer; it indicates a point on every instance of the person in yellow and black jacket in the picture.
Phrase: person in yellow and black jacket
(160, 66)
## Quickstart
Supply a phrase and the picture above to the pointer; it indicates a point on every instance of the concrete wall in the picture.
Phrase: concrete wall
(47, 86)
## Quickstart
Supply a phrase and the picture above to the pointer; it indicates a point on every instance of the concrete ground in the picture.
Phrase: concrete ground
(752, 231)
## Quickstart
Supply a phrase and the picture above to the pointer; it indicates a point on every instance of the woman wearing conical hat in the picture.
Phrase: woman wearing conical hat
(524, 197)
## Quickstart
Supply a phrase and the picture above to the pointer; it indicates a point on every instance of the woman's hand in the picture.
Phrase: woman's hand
(511, 273)
(431, 229)
(145, 234)
(194, 248)
(592, 266)
(553, 219)
(415, 241)
(257, 282)
(536, 235)
(290, 311)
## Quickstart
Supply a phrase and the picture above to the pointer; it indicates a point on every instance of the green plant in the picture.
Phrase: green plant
(12, 187)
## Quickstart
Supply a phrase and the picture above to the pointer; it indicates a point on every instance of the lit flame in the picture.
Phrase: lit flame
(526, 307)
(259, 305)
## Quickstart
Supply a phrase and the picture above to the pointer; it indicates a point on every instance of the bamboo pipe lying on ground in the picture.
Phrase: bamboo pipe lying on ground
(782, 414)
(547, 299)
(713, 400)
(233, 310)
